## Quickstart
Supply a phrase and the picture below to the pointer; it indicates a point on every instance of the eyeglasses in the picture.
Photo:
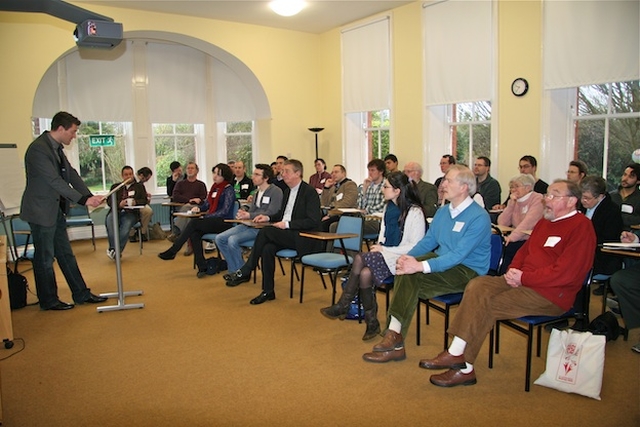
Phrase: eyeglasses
(553, 196)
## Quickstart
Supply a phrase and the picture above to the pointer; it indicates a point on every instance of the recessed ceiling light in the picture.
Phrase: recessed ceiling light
(287, 7)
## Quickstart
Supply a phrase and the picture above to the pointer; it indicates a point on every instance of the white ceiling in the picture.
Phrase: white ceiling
(317, 17)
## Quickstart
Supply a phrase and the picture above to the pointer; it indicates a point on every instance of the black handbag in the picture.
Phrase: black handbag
(606, 324)
(17, 289)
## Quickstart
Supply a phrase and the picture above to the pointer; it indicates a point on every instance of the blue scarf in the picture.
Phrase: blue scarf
(392, 232)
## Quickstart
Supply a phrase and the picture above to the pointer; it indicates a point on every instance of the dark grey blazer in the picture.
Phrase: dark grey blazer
(45, 186)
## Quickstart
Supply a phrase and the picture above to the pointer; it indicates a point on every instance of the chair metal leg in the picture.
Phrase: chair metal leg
(418, 322)
(140, 239)
(491, 344)
(528, 367)
(93, 237)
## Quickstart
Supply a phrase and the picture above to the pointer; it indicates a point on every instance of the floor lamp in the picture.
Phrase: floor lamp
(316, 131)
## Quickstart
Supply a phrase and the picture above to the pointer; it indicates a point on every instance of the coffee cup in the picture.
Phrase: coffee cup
(130, 201)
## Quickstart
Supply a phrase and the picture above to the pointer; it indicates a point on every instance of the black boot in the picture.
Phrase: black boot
(370, 306)
(341, 308)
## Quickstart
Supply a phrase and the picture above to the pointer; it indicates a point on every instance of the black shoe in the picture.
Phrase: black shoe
(93, 299)
(238, 278)
(144, 238)
(263, 297)
(167, 255)
(201, 274)
(599, 290)
(60, 306)
(231, 275)
(133, 238)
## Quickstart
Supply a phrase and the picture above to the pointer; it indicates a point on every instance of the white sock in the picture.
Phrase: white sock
(395, 325)
(467, 369)
(457, 346)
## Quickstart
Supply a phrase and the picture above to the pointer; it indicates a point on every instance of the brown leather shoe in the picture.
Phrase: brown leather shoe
(385, 356)
(452, 378)
(391, 341)
(443, 361)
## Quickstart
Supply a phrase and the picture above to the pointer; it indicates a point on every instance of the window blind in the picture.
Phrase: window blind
(590, 42)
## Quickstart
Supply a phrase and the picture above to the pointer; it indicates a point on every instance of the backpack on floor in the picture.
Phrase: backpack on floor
(215, 265)
(17, 289)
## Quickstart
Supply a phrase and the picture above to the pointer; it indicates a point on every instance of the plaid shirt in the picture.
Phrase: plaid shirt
(372, 201)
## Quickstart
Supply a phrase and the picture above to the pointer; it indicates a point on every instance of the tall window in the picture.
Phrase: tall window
(376, 129)
(173, 142)
(470, 130)
(607, 127)
(100, 166)
(238, 138)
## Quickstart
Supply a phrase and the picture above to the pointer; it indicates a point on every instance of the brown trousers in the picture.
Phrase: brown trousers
(488, 299)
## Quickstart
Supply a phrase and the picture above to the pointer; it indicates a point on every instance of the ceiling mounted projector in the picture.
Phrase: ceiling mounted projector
(98, 34)
(92, 30)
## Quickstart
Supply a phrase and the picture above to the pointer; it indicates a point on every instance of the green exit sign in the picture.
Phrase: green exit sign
(102, 140)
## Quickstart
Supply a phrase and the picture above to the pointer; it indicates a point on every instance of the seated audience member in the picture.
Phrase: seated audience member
(321, 175)
(242, 184)
(338, 192)
(445, 163)
(218, 207)
(488, 187)
(523, 212)
(391, 163)
(266, 201)
(607, 223)
(371, 196)
(455, 249)
(131, 194)
(576, 171)
(191, 192)
(278, 180)
(175, 177)
(300, 211)
(403, 211)
(146, 213)
(544, 278)
(626, 285)
(528, 165)
(427, 192)
(627, 197)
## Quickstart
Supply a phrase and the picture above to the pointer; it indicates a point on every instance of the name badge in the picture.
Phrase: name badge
(457, 227)
(322, 181)
(525, 209)
(131, 193)
(244, 186)
(265, 199)
(626, 209)
(339, 196)
(552, 241)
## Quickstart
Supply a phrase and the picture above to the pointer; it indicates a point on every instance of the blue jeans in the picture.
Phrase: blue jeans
(50, 242)
(126, 220)
(230, 244)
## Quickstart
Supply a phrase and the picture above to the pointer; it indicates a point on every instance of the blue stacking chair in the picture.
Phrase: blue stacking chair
(78, 216)
(333, 263)
(21, 247)
(528, 324)
(292, 256)
(444, 303)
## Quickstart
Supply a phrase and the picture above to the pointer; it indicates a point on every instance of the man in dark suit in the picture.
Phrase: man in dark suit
(300, 211)
(51, 184)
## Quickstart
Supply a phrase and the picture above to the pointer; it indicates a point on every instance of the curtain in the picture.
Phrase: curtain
(590, 42)
(458, 44)
(366, 67)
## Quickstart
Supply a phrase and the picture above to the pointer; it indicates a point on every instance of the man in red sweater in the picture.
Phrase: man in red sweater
(543, 279)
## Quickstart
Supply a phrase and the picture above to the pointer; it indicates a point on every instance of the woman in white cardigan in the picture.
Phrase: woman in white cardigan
(403, 225)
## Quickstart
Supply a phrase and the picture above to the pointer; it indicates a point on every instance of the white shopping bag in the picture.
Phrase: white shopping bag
(575, 363)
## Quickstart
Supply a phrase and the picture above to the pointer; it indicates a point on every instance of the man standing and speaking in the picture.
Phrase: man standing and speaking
(51, 184)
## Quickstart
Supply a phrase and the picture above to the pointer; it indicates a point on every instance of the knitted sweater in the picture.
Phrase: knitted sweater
(523, 215)
(557, 257)
(465, 239)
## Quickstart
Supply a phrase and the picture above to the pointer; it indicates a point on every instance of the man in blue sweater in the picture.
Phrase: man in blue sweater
(455, 249)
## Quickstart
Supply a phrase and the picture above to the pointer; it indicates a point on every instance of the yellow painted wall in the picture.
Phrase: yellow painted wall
(301, 74)
(520, 55)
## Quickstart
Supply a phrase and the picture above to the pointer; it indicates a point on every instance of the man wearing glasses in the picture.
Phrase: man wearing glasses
(543, 279)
